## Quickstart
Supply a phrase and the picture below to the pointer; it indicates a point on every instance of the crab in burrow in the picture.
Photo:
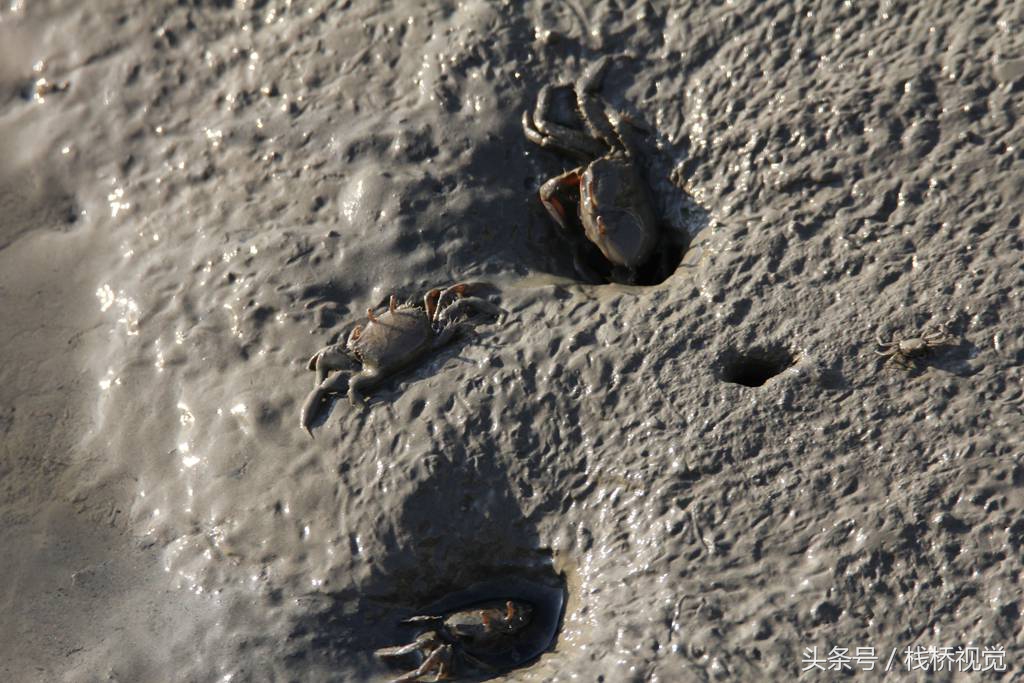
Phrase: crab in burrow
(615, 205)
(903, 351)
(391, 341)
(462, 638)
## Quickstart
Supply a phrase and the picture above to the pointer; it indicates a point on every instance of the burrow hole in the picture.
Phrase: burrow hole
(660, 266)
(755, 367)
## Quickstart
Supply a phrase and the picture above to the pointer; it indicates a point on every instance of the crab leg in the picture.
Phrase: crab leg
(370, 315)
(467, 307)
(439, 659)
(426, 642)
(392, 303)
(449, 331)
(430, 302)
(884, 344)
(421, 619)
(401, 650)
(456, 290)
(547, 134)
(561, 138)
(460, 289)
(591, 80)
(364, 380)
(329, 358)
(593, 110)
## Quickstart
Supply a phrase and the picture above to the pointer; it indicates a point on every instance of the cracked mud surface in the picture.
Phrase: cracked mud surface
(223, 189)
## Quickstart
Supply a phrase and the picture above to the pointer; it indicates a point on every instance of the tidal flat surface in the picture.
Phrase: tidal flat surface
(195, 197)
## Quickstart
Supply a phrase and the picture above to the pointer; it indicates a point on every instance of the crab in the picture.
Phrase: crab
(389, 342)
(615, 204)
(902, 351)
(487, 629)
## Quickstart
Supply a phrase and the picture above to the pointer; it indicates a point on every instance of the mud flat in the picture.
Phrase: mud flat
(716, 472)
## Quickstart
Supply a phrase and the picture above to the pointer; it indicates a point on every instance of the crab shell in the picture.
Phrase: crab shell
(392, 339)
(488, 629)
(913, 347)
(615, 210)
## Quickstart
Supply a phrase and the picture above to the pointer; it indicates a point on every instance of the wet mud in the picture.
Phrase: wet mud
(698, 476)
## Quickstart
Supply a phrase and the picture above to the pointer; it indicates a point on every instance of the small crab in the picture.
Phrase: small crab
(902, 351)
(469, 634)
(389, 342)
(615, 204)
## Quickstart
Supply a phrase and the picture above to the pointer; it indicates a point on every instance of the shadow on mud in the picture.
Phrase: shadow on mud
(459, 540)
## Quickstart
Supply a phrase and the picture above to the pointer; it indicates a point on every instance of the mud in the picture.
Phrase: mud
(717, 470)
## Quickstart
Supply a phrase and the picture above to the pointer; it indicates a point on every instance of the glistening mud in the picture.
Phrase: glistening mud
(247, 177)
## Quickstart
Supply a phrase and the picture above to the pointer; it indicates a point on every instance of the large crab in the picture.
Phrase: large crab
(615, 204)
(471, 634)
(389, 342)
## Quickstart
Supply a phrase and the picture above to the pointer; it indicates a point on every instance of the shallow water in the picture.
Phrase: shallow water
(223, 189)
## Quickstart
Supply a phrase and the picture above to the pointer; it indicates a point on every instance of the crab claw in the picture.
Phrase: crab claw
(311, 364)
(430, 302)
(559, 209)
(310, 408)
